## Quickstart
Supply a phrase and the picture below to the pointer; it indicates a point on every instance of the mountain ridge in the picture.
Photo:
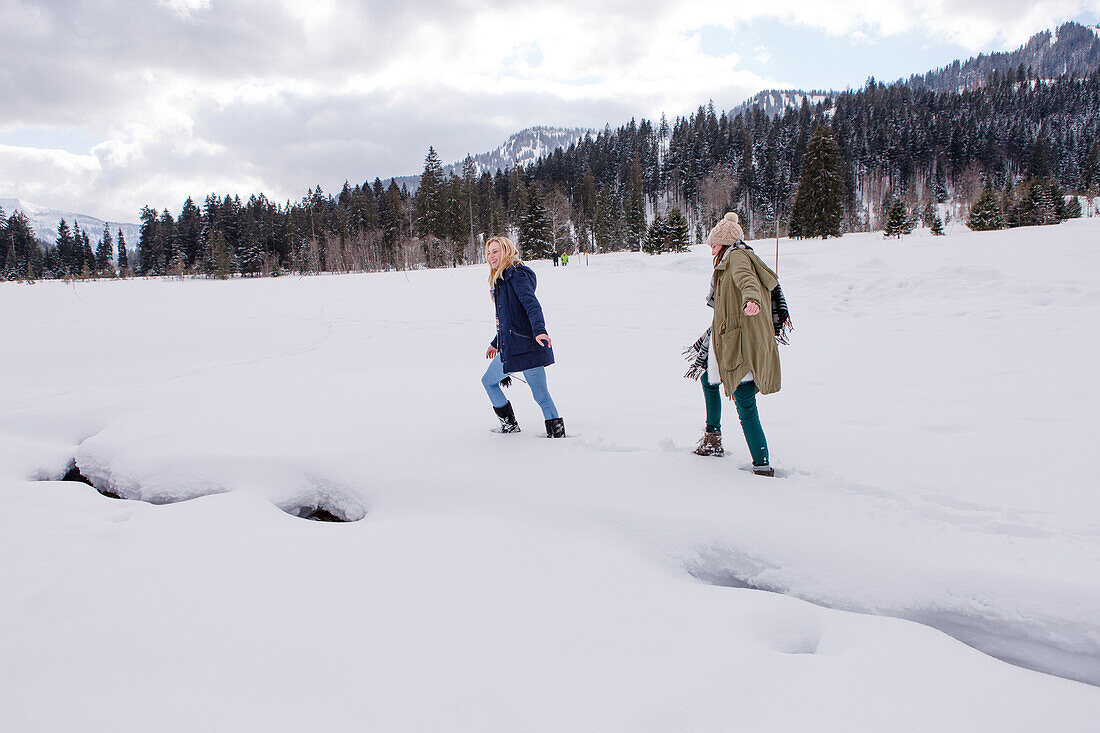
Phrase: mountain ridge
(1071, 47)
(519, 149)
(44, 220)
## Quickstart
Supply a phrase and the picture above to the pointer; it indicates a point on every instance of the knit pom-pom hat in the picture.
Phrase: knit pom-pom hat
(726, 232)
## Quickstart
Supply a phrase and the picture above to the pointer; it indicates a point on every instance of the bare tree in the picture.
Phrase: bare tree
(559, 210)
(717, 193)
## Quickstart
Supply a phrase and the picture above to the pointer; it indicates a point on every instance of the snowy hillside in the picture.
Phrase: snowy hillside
(936, 510)
(44, 221)
(521, 149)
(777, 101)
(1071, 48)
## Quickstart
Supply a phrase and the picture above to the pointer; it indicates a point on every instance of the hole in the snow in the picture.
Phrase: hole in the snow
(320, 514)
(72, 473)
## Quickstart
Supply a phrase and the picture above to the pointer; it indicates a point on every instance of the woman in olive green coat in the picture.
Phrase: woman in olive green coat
(743, 356)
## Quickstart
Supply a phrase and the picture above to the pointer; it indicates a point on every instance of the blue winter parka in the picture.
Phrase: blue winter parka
(519, 320)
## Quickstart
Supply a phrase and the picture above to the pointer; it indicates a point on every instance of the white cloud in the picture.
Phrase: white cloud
(184, 8)
(193, 96)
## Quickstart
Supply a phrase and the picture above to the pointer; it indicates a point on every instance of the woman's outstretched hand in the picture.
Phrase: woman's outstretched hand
(490, 353)
(751, 309)
(543, 339)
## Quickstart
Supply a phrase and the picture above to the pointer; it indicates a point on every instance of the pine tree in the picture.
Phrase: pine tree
(390, 217)
(249, 254)
(87, 256)
(896, 220)
(928, 214)
(1040, 164)
(939, 185)
(1073, 208)
(12, 271)
(104, 252)
(223, 267)
(189, 225)
(937, 226)
(1043, 205)
(64, 248)
(147, 259)
(535, 235)
(819, 203)
(123, 257)
(608, 224)
(469, 189)
(986, 213)
(678, 233)
(430, 217)
(166, 243)
(1039, 205)
(635, 207)
(17, 232)
(656, 237)
(76, 254)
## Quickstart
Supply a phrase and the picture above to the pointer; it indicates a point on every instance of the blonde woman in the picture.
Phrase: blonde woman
(521, 343)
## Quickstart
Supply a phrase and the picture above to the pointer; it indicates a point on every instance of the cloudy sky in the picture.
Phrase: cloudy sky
(106, 106)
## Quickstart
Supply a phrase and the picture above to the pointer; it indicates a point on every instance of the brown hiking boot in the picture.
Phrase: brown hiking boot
(764, 470)
(710, 445)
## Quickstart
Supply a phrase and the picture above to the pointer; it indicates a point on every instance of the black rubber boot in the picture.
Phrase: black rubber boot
(507, 418)
(555, 428)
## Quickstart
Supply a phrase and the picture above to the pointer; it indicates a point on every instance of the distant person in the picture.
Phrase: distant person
(521, 343)
(564, 259)
(739, 350)
(555, 258)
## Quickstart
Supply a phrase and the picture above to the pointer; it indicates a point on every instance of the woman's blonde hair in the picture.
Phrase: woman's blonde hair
(509, 255)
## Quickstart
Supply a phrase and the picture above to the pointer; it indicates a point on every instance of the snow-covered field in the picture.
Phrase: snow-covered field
(934, 439)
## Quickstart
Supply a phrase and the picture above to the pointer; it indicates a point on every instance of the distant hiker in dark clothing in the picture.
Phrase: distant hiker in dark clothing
(521, 343)
(556, 256)
(739, 351)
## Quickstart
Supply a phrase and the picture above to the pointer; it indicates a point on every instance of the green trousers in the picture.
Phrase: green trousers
(745, 399)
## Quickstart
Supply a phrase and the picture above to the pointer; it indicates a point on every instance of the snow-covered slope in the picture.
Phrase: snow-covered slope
(933, 439)
(777, 101)
(1069, 48)
(521, 149)
(44, 221)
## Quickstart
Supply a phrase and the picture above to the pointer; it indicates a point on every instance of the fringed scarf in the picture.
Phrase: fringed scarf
(697, 354)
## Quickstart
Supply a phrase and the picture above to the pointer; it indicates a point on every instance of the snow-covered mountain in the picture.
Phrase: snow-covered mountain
(1071, 47)
(520, 149)
(44, 221)
(527, 146)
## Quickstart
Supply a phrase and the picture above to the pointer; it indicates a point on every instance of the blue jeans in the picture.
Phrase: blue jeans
(536, 380)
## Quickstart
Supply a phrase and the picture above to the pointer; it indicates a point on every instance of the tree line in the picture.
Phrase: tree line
(857, 158)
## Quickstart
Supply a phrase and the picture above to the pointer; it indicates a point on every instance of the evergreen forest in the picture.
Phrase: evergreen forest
(1005, 153)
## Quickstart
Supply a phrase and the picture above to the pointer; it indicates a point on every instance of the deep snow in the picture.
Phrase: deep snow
(933, 439)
